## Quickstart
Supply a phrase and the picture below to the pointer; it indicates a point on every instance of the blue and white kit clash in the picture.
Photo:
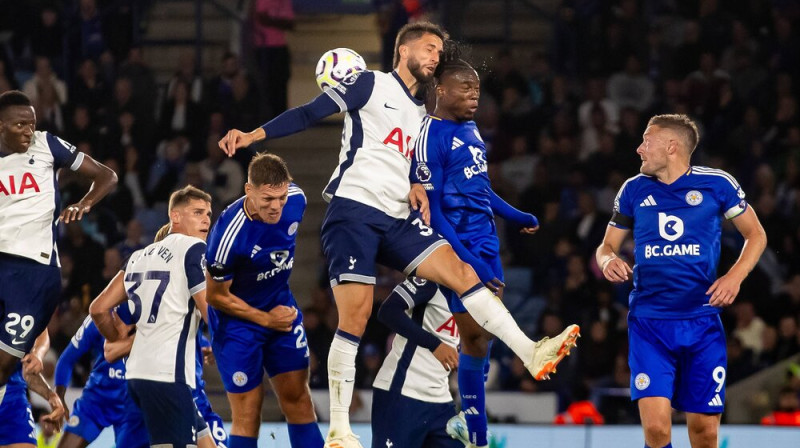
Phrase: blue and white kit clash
(676, 229)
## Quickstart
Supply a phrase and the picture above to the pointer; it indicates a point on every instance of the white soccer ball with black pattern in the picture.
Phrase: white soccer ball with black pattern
(336, 65)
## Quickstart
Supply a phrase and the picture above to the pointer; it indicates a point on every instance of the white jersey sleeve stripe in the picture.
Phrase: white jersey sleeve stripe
(200, 287)
(226, 234)
(735, 211)
(715, 172)
(423, 140)
(337, 99)
(77, 163)
(238, 226)
(227, 237)
(404, 294)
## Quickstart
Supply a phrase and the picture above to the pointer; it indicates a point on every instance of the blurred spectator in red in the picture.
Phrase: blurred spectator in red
(787, 411)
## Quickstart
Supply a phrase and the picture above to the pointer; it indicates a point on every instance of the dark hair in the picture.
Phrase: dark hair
(413, 31)
(185, 194)
(267, 169)
(452, 60)
(680, 123)
(13, 98)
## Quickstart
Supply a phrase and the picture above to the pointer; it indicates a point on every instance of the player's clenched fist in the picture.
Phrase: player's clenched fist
(616, 270)
(281, 318)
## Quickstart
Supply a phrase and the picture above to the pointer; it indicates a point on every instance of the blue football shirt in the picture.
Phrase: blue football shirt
(676, 232)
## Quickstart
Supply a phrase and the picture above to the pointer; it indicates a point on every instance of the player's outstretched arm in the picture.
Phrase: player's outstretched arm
(614, 268)
(102, 309)
(103, 181)
(220, 297)
(725, 289)
(289, 122)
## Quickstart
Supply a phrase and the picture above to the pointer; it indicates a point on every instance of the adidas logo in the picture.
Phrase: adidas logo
(648, 201)
(456, 143)
(256, 248)
(471, 411)
(716, 401)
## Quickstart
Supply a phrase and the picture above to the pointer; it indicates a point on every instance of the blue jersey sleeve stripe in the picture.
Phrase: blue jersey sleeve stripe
(336, 99)
(228, 235)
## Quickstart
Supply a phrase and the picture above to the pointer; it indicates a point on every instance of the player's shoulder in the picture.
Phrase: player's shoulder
(362, 81)
(296, 195)
(714, 176)
(231, 211)
(632, 184)
(182, 241)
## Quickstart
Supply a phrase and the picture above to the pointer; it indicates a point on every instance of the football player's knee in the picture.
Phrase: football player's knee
(296, 404)
(657, 431)
(704, 435)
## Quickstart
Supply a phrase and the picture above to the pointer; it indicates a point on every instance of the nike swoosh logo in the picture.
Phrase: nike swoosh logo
(348, 381)
(386, 105)
(16, 342)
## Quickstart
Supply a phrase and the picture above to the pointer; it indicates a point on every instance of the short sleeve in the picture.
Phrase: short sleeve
(354, 91)
(732, 197)
(622, 216)
(219, 260)
(86, 336)
(194, 267)
(427, 165)
(64, 153)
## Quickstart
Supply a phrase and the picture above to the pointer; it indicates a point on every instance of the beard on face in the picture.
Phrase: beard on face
(417, 72)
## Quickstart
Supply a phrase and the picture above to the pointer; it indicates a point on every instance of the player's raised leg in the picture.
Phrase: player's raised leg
(541, 358)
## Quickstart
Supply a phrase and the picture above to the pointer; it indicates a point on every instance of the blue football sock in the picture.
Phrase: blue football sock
(473, 397)
(305, 435)
(242, 442)
(487, 364)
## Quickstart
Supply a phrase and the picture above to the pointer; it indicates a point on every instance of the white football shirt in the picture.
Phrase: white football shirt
(160, 280)
(411, 369)
(381, 125)
(29, 198)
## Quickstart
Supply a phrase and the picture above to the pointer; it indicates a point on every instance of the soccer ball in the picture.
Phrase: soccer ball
(336, 65)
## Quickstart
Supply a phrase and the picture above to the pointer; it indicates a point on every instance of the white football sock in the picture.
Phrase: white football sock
(2, 393)
(341, 381)
(489, 312)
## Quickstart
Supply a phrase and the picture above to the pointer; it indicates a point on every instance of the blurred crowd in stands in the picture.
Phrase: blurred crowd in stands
(561, 131)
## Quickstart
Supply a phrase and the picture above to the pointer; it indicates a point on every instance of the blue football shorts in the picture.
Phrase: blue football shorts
(28, 298)
(356, 236)
(244, 352)
(684, 360)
